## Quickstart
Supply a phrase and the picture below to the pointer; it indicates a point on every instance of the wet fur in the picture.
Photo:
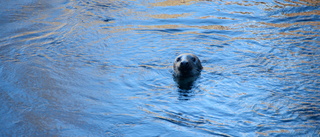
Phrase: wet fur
(187, 68)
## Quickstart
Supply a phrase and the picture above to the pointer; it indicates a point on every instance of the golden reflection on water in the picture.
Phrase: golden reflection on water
(305, 2)
(173, 3)
(169, 16)
(211, 16)
(314, 12)
(285, 25)
(216, 27)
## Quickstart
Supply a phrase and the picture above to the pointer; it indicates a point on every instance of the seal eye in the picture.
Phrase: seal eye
(193, 59)
(178, 59)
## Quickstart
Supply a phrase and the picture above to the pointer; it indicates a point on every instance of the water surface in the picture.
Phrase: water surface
(104, 68)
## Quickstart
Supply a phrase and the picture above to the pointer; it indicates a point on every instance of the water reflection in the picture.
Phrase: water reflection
(97, 68)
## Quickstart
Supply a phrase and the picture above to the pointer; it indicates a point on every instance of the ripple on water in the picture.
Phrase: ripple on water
(96, 68)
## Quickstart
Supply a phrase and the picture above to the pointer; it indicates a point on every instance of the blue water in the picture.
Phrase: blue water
(104, 68)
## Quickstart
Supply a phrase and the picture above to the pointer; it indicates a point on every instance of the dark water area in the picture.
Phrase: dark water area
(104, 68)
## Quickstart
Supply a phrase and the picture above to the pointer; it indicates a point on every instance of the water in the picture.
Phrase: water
(104, 68)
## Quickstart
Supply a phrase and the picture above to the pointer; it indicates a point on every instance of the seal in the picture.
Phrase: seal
(187, 68)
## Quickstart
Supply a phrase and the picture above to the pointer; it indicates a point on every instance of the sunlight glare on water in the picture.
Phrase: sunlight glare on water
(104, 68)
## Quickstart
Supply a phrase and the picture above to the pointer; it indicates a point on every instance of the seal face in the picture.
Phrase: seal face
(187, 68)
(187, 65)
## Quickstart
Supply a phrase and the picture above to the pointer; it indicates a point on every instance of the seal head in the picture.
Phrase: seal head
(187, 65)
(187, 68)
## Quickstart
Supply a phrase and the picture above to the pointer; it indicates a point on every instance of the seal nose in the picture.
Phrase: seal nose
(184, 63)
